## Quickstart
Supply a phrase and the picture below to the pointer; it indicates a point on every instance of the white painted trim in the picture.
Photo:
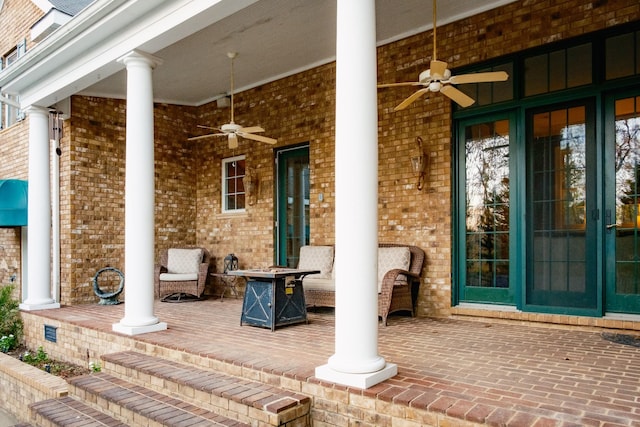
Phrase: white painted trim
(53, 20)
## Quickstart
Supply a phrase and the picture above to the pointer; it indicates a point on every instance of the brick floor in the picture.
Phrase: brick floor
(497, 373)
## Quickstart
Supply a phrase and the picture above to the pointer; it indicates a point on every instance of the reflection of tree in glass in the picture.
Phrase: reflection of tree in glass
(574, 185)
(626, 164)
(487, 203)
(487, 175)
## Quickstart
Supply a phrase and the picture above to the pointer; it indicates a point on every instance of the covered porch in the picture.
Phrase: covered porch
(450, 371)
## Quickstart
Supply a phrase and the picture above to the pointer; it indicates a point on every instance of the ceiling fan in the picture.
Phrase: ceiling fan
(438, 78)
(232, 130)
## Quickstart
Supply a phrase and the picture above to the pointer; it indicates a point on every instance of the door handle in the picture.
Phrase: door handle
(614, 225)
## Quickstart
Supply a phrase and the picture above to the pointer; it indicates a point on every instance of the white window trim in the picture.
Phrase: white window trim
(223, 202)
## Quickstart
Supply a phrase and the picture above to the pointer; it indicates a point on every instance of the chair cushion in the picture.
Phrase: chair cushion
(178, 277)
(184, 261)
(318, 284)
(391, 259)
(317, 258)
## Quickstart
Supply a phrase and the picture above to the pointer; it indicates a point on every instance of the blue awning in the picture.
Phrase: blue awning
(13, 203)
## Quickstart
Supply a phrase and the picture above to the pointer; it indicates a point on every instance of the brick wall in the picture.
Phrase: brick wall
(92, 189)
(22, 384)
(16, 20)
(295, 110)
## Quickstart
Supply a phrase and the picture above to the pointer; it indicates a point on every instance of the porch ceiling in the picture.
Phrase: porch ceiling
(274, 38)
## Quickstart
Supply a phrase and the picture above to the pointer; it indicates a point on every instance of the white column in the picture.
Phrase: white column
(39, 214)
(139, 199)
(356, 361)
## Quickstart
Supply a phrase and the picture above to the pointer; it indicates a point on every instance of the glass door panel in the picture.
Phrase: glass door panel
(561, 263)
(622, 230)
(293, 204)
(487, 268)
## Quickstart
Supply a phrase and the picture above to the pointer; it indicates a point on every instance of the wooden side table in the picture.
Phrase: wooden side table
(229, 282)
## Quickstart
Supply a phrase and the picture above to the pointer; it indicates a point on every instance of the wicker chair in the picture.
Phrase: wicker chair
(182, 274)
(397, 294)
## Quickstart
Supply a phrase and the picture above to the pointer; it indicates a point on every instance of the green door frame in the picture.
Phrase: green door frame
(292, 204)
(486, 295)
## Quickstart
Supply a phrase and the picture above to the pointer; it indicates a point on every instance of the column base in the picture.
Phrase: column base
(33, 307)
(326, 373)
(137, 330)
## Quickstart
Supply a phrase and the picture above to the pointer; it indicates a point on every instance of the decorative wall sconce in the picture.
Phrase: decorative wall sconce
(419, 165)
(250, 181)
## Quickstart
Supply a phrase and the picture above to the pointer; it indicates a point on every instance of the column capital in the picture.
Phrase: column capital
(35, 109)
(138, 56)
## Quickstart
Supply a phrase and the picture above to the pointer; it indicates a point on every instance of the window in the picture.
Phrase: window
(491, 93)
(233, 194)
(9, 114)
(557, 70)
(622, 55)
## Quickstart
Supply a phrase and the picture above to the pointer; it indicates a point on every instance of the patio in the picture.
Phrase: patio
(495, 373)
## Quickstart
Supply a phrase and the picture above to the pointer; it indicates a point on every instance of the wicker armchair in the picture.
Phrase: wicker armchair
(398, 294)
(398, 289)
(182, 273)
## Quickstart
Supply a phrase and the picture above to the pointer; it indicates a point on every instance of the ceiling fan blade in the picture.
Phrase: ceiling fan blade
(209, 135)
(437, 69)
(400, 84)
(457, 95)
(207, 127)
(252, 129)
(417, 94)
(494, 76)
(233, 141)
(258, 138)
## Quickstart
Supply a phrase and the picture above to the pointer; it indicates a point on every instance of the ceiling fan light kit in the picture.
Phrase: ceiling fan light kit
(438, 78)
(232, 130)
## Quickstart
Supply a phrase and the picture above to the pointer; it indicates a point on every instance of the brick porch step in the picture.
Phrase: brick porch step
(67, 411)
(234, 397)
(140, 406)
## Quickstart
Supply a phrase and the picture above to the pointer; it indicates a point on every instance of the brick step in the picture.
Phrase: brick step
(140, 406)
(236, 398)
(67, 411)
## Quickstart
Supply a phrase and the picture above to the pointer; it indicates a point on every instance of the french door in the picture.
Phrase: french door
(487, 229)
(292, 211)
(563, 210)
(552, 223)
(622, 209)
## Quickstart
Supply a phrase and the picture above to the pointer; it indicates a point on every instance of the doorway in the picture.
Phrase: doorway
(292, 211)
(562, 209)
(622, 205)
